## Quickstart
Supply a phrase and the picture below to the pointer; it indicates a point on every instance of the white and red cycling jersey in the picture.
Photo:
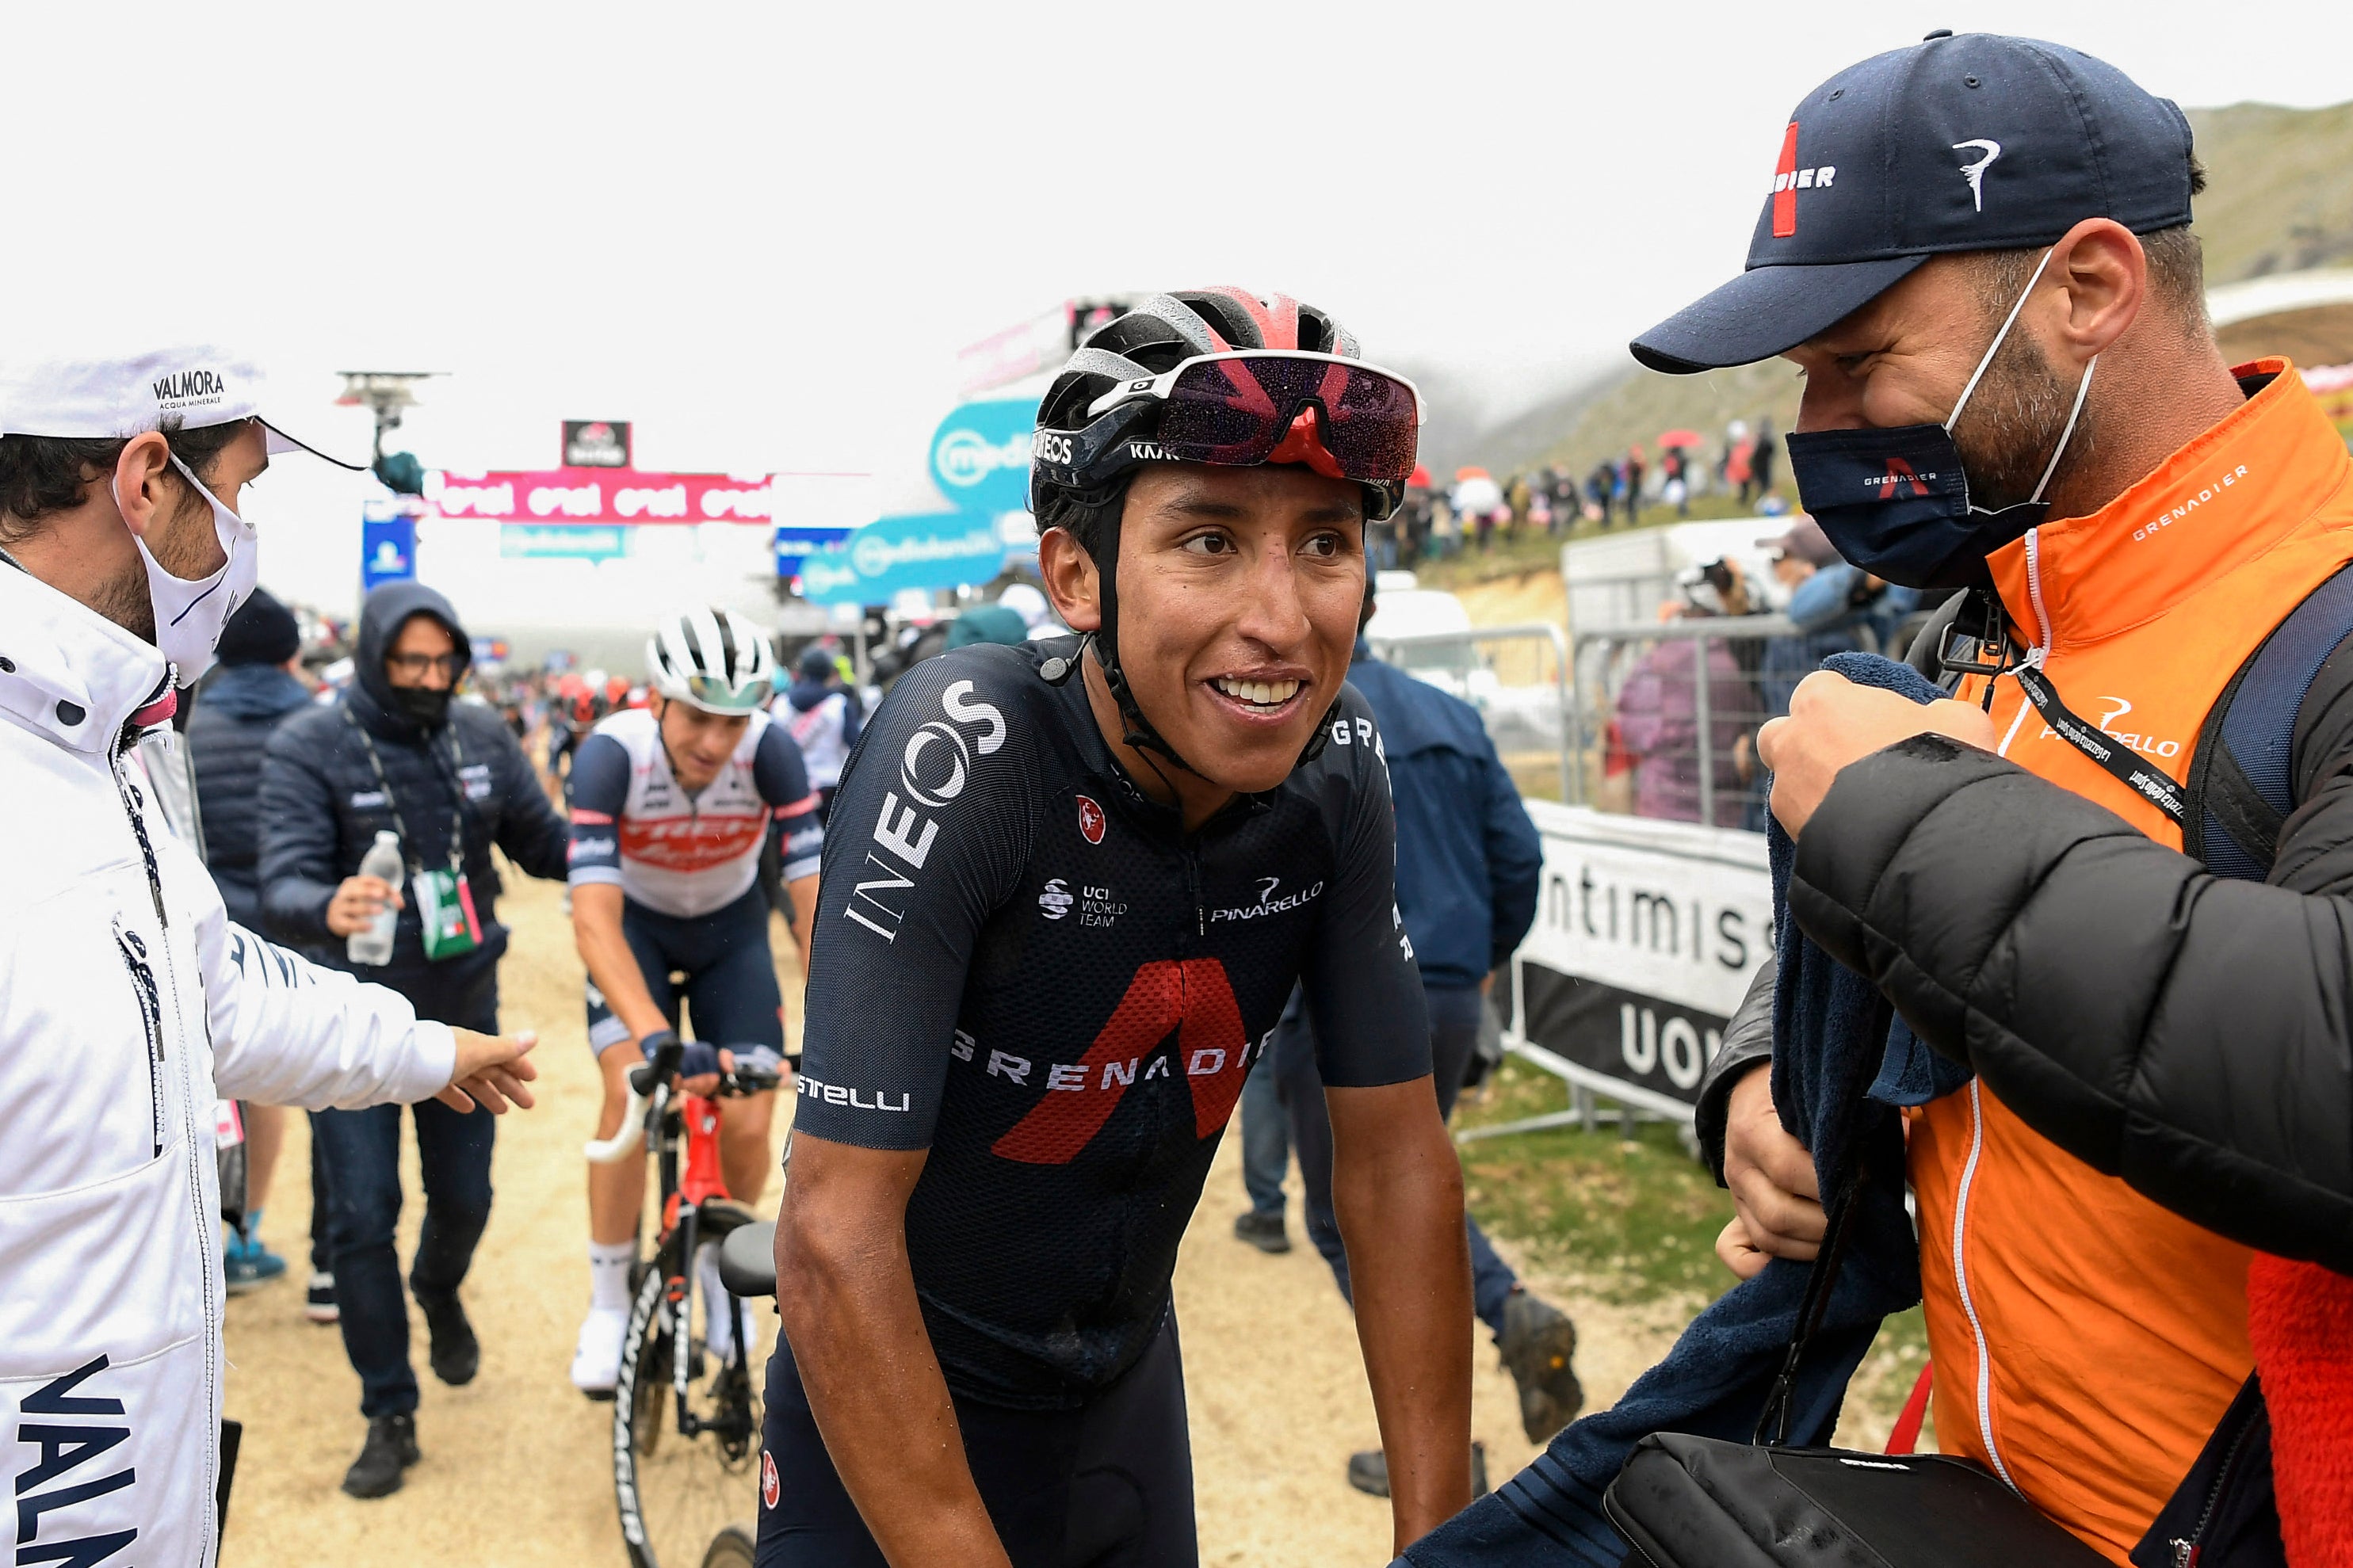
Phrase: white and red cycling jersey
(685, 855)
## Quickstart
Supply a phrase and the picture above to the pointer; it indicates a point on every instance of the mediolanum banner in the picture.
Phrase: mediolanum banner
(1646, 937)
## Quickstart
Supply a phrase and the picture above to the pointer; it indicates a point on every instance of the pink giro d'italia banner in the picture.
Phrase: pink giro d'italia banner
(600, 495)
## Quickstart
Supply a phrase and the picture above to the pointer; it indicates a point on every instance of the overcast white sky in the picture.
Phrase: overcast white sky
(762, 231)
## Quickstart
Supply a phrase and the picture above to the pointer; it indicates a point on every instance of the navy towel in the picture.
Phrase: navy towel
(1715, 1382)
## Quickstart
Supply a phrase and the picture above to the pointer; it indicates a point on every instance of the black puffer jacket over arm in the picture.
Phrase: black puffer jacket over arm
(2190, 1033)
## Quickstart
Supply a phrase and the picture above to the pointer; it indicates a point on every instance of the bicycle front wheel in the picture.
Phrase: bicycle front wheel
(676, 1490)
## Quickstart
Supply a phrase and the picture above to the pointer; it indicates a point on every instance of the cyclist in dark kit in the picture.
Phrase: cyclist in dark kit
(1067, 888)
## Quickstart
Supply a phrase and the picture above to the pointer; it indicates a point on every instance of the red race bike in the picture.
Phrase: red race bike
(687, 1405)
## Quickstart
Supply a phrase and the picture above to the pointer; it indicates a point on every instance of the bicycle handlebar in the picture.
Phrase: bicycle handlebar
(748, 1078)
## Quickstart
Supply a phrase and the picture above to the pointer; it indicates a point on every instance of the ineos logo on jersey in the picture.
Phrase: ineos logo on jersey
(1056, 900)
(957, 761)
(933, 784)
(1974, 172)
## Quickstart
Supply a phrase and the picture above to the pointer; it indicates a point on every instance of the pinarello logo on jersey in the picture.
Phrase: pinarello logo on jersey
(770, 1487)
(1090, 820)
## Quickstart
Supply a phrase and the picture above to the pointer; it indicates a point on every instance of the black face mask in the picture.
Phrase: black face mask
(422, 705)
(1895, 502)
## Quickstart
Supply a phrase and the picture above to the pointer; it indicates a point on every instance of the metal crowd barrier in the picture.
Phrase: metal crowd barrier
(1517, 676)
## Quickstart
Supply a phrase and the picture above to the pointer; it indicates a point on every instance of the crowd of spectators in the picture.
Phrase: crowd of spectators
(1475, 511)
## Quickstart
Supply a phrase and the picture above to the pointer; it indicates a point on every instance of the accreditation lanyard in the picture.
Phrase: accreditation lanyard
(2153, 785)
(457, 812)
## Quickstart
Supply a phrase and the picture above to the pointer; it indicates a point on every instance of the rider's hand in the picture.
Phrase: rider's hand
(1772, 1180)
(699, 1063)
(492, 1071)
(357, 901)
(700, 1067)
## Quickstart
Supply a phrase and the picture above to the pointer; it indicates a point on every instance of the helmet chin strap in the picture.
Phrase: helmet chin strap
(1137, 732)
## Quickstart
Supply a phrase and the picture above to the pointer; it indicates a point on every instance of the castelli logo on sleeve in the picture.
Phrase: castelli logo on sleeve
(770, 1489)
(1090, 820)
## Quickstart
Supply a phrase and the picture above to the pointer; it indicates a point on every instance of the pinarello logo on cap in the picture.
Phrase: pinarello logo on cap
(770, 1487)
(1788, 180)
(1090, 820)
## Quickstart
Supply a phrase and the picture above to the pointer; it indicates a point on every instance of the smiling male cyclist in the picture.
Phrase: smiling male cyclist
(670, 805)
(1069, 887)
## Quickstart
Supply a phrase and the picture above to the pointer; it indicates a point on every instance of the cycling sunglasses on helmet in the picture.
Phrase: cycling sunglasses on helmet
(1239, 407)
(710, 691)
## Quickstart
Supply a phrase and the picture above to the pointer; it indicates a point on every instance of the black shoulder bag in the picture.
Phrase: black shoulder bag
(1705, 1502)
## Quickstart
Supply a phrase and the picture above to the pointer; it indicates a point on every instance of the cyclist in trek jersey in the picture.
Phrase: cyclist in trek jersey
(1067, 888)
(670, 805)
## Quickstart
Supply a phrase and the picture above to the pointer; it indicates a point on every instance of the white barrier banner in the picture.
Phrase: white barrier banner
(1647, 935)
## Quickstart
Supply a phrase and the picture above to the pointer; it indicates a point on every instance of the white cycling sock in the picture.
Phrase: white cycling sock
(608, 1274)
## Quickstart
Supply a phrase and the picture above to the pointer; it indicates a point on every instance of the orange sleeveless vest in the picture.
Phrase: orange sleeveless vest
(2087, 1341)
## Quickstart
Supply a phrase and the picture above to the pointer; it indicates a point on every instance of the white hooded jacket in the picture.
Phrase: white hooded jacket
(129, 1005)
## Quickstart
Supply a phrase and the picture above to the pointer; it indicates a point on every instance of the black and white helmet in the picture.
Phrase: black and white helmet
(712, 659)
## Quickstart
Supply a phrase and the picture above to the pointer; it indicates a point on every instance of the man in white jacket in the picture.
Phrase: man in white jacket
(129, 1004)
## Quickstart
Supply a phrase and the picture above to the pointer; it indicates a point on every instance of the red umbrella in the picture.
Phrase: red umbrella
(1679, 438)
(1419, 478)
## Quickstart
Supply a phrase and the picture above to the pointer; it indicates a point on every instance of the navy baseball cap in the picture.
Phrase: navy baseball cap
(1974, 142)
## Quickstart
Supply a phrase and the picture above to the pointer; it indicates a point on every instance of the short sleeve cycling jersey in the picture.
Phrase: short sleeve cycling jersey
(687, 855)
(1025, 966)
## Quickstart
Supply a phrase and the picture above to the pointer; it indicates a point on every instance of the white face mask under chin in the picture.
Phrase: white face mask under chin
(189, 615)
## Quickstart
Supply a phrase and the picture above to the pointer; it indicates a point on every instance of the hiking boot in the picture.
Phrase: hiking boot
(1538, 1342)
(1369, 1471)
(457, 1354)
(1263, 1231)
(390, 1449)
(319, 1300)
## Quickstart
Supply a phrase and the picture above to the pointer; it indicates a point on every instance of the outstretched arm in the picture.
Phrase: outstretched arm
(1398, 1189)
(843, 1282)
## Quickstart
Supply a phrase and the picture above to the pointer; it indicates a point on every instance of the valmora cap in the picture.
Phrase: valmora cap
(1974, 142)
(116, 397)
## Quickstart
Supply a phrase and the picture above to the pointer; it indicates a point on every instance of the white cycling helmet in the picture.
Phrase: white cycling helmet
(712, 659)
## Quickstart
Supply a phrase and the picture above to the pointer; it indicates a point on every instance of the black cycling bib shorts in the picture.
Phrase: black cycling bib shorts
(1028, 968)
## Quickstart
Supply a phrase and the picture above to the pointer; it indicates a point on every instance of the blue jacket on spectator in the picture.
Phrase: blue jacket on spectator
(1469, 864)
(1835, 598)
(236, 711)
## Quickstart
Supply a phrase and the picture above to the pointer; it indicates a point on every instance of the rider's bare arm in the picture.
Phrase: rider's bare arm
(612, 967)
(802, 891)
(1397, 1187)
(843, 1284)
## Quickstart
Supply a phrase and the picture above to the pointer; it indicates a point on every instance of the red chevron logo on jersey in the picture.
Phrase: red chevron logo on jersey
(1191, 996)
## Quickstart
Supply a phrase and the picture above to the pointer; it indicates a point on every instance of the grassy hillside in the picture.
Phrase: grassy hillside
(2279, 189)
(2279, 198)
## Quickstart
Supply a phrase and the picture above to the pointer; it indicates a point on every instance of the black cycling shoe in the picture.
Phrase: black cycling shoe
(1369, 1471)
(1538, 1342)
(457, 1354)
(390, 1449)
(1263, 1231)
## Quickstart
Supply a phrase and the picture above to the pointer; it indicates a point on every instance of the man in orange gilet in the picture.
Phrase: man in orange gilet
(1976, 252)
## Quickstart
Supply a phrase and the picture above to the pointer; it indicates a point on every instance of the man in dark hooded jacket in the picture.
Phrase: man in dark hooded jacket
(397, 752)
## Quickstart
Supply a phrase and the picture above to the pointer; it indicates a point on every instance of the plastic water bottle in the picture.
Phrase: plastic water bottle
(374, 945)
